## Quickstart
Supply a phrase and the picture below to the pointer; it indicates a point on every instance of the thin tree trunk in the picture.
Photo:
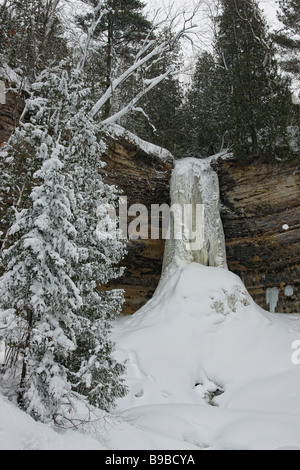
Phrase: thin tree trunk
(24, 366)
(109, 66)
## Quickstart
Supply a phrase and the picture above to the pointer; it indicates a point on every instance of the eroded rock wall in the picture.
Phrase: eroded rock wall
(144, 178)
(261, 219)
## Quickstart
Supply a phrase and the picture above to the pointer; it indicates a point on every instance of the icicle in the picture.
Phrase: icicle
(272, 294)
(288, 291)
(2, 92)
(2, 352)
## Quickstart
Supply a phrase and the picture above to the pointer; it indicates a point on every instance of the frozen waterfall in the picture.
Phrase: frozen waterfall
(195, 184)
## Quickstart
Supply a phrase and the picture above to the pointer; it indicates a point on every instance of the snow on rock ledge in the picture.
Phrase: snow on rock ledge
(116, 131)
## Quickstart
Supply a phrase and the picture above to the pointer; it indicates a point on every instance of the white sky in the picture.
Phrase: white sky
(269, 7)
(203, 39)
(268, 4)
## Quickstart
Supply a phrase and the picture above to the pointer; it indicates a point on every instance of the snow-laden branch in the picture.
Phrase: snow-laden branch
(157, 51)
(150, 53)
(125, 110)
(97, 17)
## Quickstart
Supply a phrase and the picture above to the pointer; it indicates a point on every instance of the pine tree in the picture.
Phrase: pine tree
(288, 37)
(259, 98)
(205, 110)
(120, 33)
(55, 257)
(162, 107)
(31, 36)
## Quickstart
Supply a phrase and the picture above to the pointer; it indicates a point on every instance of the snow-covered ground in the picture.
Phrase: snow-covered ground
(207, 369)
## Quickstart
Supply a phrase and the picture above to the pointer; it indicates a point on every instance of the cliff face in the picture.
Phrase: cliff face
(10, 113)
(261, 218)
(143, 176)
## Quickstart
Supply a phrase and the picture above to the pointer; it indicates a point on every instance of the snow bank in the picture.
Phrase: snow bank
(18, 431)
(209, 367)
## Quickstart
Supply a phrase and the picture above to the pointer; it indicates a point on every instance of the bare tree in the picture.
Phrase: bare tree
(152, 50)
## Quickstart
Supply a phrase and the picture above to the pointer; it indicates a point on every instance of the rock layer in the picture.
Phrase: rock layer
(144, 178)
(261, 219)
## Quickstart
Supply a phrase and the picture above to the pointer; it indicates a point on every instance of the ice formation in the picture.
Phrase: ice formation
(2, 92)
(272, 294)
(288, 291)
(193, 183)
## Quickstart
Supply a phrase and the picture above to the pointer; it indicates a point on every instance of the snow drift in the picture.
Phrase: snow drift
(205, 361)
(207, 369)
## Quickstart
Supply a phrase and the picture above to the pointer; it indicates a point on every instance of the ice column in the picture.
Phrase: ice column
(194, 182)
(2, 352)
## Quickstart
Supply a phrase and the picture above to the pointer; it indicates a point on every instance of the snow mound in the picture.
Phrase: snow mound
(209, 367)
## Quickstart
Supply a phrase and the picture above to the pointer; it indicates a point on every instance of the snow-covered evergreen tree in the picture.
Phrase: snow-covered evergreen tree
(98, 255)
(56, 321)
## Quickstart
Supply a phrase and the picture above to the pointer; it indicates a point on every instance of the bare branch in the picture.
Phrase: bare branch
(180, 25)
(91, 32)
(134, 101)
(157, 51)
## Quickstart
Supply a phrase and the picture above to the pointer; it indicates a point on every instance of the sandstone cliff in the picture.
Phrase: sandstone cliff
(261, 219)
(143, 176)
